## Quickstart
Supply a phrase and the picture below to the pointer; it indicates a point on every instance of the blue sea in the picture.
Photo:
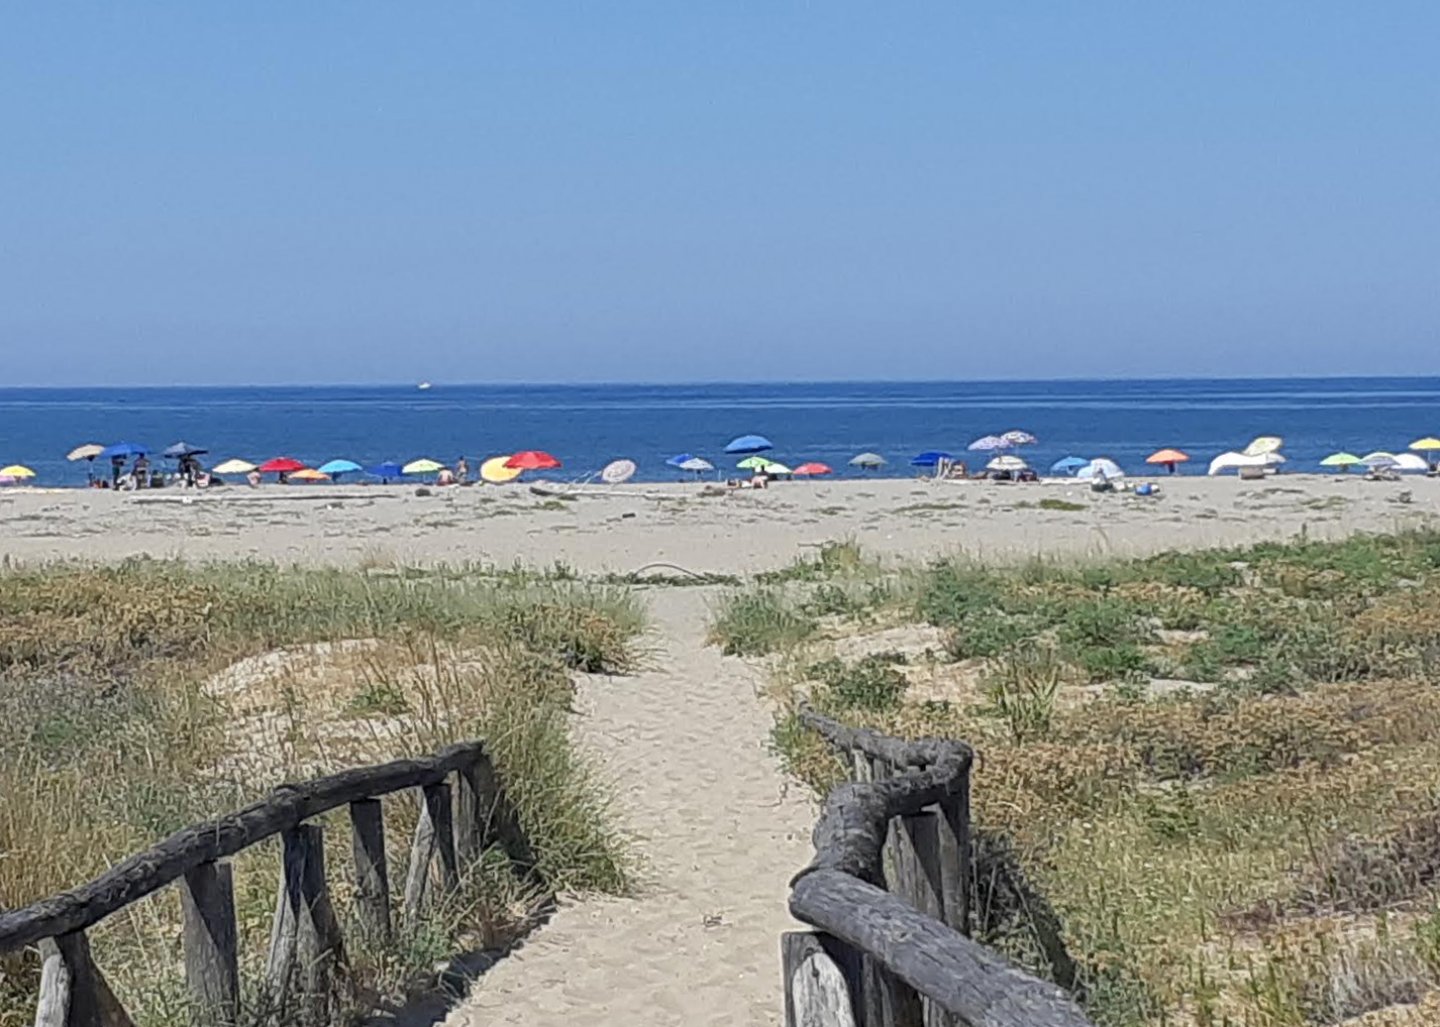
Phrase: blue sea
(589, 425)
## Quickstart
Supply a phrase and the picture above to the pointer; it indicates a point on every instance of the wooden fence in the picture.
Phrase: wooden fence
(306, 961)
(890, 892)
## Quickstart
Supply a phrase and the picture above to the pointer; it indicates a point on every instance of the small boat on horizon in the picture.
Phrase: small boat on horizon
(423, 386)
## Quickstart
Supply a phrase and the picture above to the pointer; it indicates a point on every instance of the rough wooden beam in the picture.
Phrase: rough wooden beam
(372, 876)
(90, 1003)
(962, 977)
(822, 981)
(212, 969)
(286, 807)
(422, 856)
(440, 813)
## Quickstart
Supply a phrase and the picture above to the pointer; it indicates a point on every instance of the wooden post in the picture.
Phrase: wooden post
(438, 809)
(372, 877)
(822, 981)
(422, 854)
(918, 838)
(474, 803)
(54, 1000)
(956, 871)
(305, 941)
(73, 991)
(498, 821)
(212, 970)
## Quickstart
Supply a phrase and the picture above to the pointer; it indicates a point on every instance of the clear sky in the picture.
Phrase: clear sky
(368, 192)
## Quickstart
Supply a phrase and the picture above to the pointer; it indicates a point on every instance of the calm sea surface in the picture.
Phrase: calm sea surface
(588, 425)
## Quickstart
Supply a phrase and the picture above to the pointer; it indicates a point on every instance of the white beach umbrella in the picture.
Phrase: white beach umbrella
(1411, 462)
(1006, 463)
(1100, 467)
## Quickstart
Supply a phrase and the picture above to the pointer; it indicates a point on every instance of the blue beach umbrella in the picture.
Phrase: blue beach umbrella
(337, 467)
(680, 459)
(180, 450)
(930, 458)
(1068, 465)
(749, 444)
(122, 449)
(387, 470)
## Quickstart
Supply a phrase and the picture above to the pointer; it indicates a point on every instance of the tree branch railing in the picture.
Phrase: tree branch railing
(889, 891)
(457, 823)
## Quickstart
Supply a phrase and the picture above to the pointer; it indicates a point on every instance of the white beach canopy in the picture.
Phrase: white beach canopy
(1239, 461)
(1100, 467)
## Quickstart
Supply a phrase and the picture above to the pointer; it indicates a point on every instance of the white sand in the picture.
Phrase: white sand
(719, 828)
(623, 530)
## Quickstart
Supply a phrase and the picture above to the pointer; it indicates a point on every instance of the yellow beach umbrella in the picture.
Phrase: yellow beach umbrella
(496, 473)
(309, 474)
(16, 471)
(1427, 443)
(422, 466)
(1263, 445)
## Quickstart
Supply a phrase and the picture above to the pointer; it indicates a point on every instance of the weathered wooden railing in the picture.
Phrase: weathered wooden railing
(307, 952)
(890, 892)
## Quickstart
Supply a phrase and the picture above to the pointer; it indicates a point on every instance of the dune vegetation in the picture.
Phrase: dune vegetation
(138, 698)
(1218, 770)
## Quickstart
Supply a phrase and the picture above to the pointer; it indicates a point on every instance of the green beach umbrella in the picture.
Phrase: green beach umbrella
(772, 467)
(753, 463)
(1341, 460)
(422, 466)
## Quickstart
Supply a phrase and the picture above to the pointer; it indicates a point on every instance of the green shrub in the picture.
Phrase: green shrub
(1022, 686)
(759, 621)
(871, 683)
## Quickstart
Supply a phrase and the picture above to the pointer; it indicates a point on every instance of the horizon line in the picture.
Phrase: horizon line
(691, 383)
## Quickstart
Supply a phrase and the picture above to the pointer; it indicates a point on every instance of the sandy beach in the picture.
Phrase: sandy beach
(628, 528)
(714, 822)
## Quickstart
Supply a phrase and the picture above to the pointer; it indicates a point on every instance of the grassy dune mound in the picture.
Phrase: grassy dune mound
(1221, 768)
(138, 698)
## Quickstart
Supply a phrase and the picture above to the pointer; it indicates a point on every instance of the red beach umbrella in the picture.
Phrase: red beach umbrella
(532, 460)
(281, 465)
(814, 467)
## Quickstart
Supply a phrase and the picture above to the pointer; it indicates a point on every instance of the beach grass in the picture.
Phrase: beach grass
(138, 698)
(1218, 767)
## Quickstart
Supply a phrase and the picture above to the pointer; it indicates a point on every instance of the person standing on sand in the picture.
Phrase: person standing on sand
(117, 464)
(462, 471)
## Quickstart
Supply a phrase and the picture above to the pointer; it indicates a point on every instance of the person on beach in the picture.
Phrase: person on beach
(117, 467)
(462, 471)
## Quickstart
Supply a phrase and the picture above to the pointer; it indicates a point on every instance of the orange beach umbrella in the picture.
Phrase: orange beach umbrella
(1168, 457)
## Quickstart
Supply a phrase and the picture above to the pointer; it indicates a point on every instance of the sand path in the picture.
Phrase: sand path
(719, 831)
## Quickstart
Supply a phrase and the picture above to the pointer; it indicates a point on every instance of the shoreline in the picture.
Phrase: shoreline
(608, 529)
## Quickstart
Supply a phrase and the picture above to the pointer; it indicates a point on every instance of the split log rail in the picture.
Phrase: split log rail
(463, 811)
(890, 891)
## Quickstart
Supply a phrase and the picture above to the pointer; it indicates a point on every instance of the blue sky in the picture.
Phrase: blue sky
(372, 192)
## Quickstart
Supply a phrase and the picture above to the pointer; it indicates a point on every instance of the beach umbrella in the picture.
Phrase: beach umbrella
(1410, 462)
(182, 449)
(813, 469)
(1068, 465)
(1019, 438)
(748, 444)
(234, 467)
(696, 464)
(1344, 461)
(1426, 444)
(422, 466)
(929, 458)
(281, 465)
(1005, 462)
(497, 470)
(89, 451)
(680, 459)
(386, 470)
(334, 467)
(753, 463)
(1379, 459)
(122, 449)
(16, 471)
(309, 474)
(987, 443)
(1168, 457)
(532, 460)
(1263, 445)
(773, 467)
(618, 471)
(1102, 468)
(869, 461)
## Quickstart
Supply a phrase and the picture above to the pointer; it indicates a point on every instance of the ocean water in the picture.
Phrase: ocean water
(588, 425)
